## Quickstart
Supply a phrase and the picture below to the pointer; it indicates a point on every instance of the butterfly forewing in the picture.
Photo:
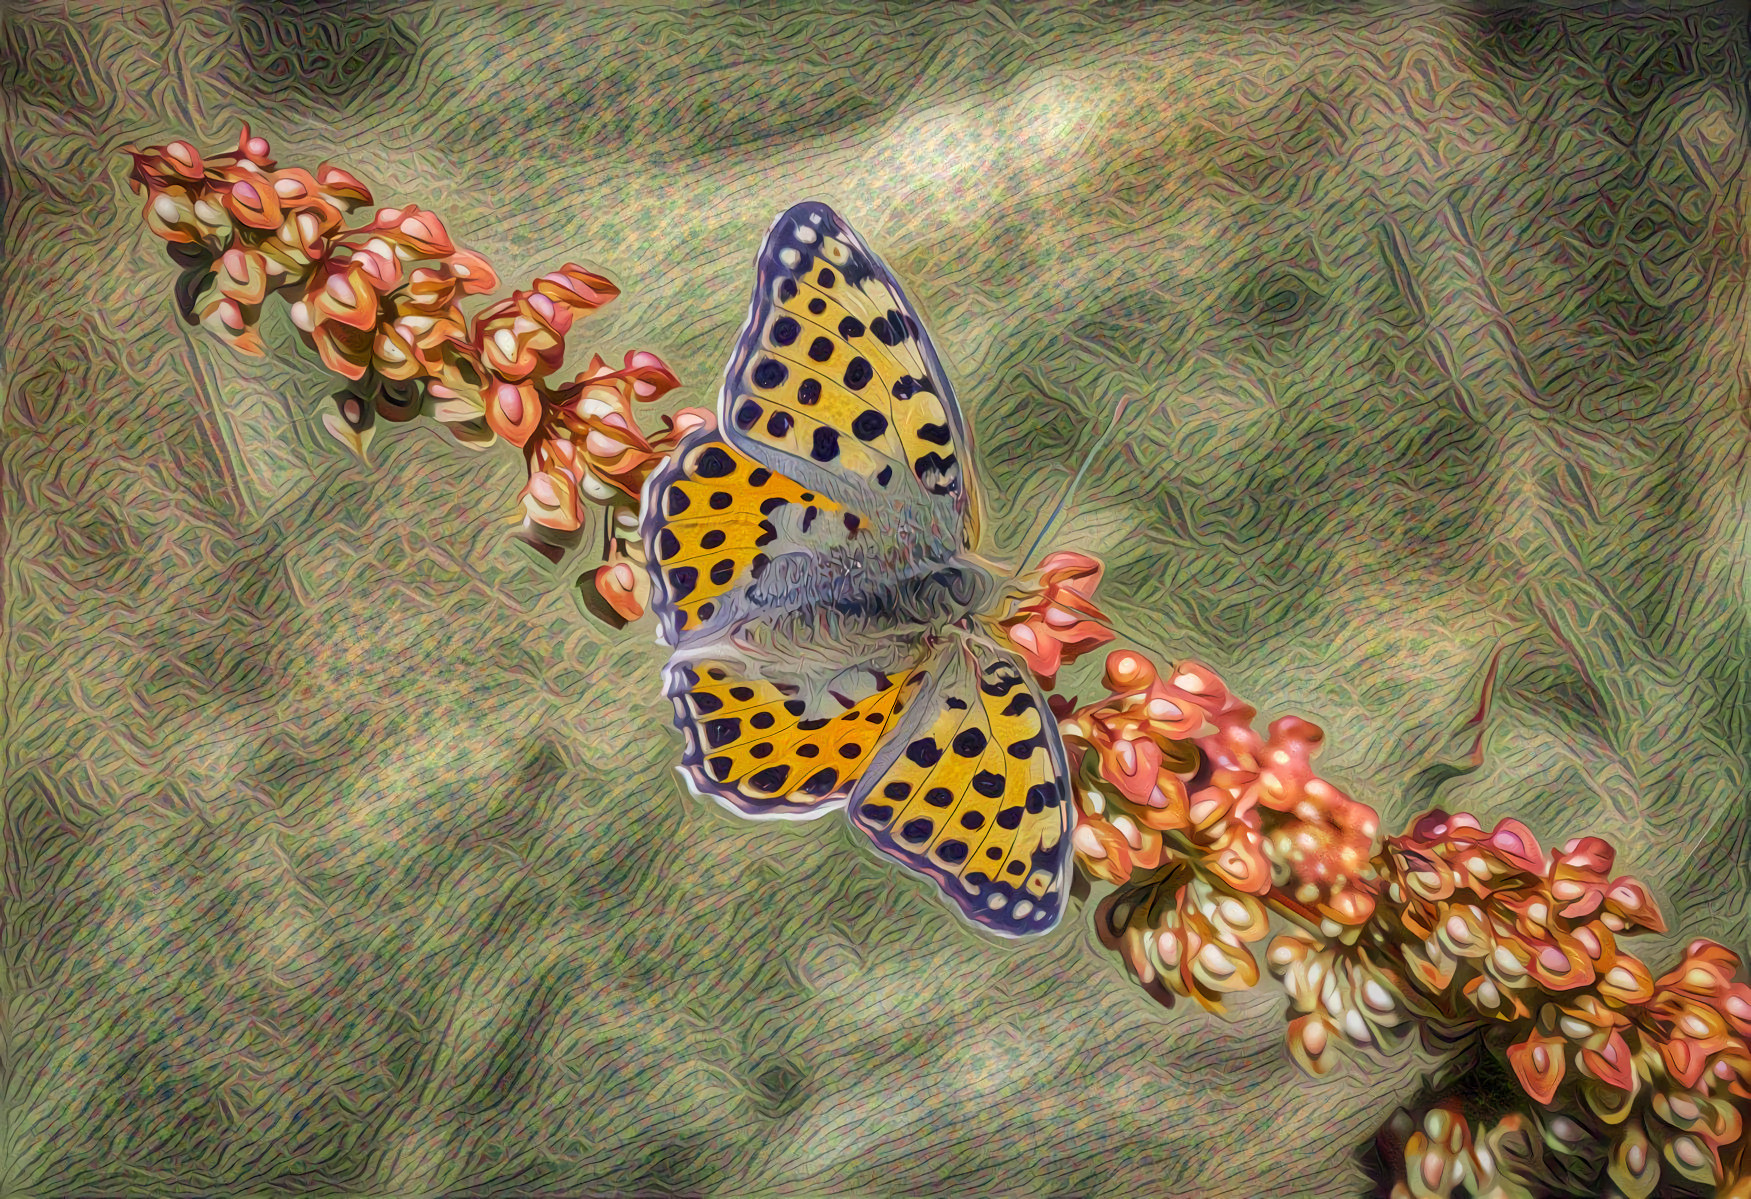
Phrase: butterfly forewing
(977, 796)
(714, 520)
(835, 382)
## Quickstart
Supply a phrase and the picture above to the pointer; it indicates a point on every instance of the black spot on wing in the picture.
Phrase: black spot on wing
(821, 782)
(1000, 678)
(988, 783)
(939, 474)
(770, 779)
(869, 425)
(714, 463)
(924, 751)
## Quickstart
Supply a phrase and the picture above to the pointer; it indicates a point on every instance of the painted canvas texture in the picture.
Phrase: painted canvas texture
(345, 846)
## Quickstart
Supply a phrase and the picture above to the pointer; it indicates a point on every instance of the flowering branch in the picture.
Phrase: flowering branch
(1481, 941)
(380, 303)
(1461, 934)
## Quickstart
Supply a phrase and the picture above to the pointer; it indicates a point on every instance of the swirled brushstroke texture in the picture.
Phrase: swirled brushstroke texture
(343, 855)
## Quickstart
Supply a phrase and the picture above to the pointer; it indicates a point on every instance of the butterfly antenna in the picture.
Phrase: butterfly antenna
(1070, 491)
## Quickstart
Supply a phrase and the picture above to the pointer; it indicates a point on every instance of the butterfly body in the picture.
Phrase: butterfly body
(814, 572)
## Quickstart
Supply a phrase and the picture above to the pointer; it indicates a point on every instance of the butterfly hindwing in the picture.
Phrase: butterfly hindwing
(976, 794)
(835, 382)
(775, 739)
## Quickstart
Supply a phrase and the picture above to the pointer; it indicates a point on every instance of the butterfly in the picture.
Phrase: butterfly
(813, 570)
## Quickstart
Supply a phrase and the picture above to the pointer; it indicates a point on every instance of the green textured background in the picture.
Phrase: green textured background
(343, 856)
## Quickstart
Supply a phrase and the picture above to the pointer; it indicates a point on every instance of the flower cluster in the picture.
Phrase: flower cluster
(1356, 994)
(380, 302)
(1060, 623)
(1525, 944)
(1171, 773)
(1460, 934)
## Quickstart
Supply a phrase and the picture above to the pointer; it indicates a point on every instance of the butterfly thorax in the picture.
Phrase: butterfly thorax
(842, 596)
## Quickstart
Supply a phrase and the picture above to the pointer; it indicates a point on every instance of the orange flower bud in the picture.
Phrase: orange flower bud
(513, 410)
(341, 188)
(250, 199)
(252, 149)
(576, 288)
